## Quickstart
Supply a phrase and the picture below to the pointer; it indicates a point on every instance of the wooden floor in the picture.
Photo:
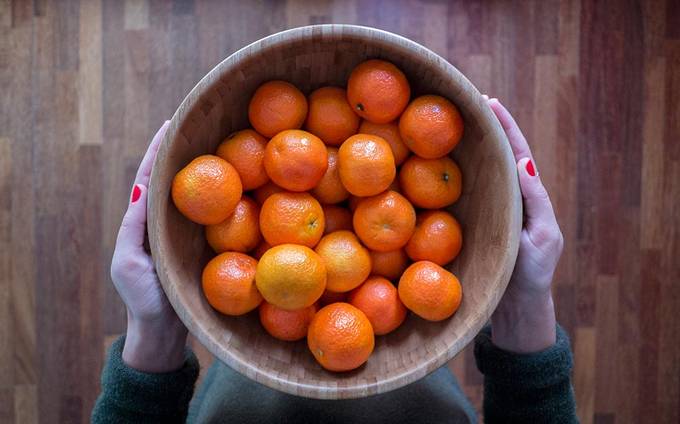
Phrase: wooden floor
(595, 85)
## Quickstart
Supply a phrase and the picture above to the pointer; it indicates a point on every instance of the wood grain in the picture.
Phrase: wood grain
(612, 169)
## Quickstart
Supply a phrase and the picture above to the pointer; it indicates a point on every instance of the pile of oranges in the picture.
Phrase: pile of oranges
(333, 216)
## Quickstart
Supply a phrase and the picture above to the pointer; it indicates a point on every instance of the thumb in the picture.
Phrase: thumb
(133, 227)
(537, 206)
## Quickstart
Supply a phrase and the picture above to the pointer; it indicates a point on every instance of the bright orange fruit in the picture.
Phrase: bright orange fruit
(286, 325)
(229, 283)
(277, 106)
(330, 190)
(378, 91)
(240, 232)
(431, 126)
(431, 183)
(337, 218)
(389, 264)
(366, 165)
(245, 151)
(348, 263)
(292, 218)
(330, 117)
(390, 133)
(379, 300)
(437, 238)
(430, 291)
(384, 222)
(295, 160)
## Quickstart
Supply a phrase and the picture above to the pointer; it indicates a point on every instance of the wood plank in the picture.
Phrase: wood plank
(26, 404)
(90, 107)
(584, 377)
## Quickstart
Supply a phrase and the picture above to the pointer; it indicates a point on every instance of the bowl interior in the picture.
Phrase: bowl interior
(489, 210)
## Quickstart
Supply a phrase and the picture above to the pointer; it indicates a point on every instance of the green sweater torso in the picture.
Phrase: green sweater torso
(517, 388)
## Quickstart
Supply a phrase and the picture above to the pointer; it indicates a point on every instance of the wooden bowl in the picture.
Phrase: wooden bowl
(489, 210)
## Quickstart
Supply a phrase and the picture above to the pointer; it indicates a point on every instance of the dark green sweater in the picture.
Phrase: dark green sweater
(532, 388)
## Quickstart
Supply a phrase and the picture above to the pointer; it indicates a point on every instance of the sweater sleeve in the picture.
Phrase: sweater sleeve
(131, 396)
(532, 388)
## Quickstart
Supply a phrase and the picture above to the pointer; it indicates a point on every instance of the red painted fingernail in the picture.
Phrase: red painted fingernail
(136, 192)
(530, 168)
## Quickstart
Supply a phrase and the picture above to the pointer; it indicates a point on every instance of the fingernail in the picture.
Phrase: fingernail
(530, 168)
(136, 192)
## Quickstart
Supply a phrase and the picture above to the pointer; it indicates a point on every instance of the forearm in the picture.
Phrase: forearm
(524, 323)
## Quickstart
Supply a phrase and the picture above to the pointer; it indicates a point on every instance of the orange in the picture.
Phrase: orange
(340, 337)
(431, 126)
(245, 151)
(295, 160)
(337, 218)
(291, 276)
(292, 218)
(347, 262)
(330, 117)
(430, 291)
(389, 264)
(390, 133)
(378, 91)
(277, 106)
(329, 297)
(330, 189)
(379, 300)
(229, 283)
(207, 190)
(430, 183)
(240, 232)
(263, 192)
(353, 202)
(384, 222)
(286, 325)
(437, 238)
(261, 248)
(366, 165)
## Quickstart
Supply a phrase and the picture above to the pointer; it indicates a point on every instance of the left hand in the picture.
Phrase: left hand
(155, 336)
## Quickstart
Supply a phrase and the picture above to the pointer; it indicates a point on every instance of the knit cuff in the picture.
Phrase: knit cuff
(530, 371)
(149, 393)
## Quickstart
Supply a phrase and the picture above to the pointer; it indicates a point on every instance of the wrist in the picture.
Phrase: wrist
(524, 323)
(154, 347)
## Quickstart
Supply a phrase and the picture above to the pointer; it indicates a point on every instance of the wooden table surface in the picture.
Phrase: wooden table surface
(595, 85)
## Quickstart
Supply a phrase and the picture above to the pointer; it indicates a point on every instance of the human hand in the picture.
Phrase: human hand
(155, 336)
(524, 321)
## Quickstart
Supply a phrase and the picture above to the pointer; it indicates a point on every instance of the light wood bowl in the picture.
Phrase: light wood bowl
(489, 210)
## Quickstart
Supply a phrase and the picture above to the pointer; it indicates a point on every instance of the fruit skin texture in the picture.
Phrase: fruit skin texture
(277, 106)
(438, 238)
(366, 165)
(348, 263)
(330, 117)
(244, 150)
(337, 218)
(330, 190)
(431, 183)
(379, 300)
(431, 126)
(430, 291)
(389, 264)
(263, 192)
(378, 91)
(295, 160)
(286, 325)
(207, 190)
(240, 232)
(292, 218)
(384, 222)
(390, 133)
(228, 282)
(291, 276)
(340, 337)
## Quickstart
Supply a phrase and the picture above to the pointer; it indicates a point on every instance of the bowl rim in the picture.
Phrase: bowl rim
(272, 380)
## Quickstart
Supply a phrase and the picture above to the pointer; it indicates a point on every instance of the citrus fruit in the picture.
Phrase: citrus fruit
(263, 192)
(390, 133)
(207, 190)
(336, 218)
(340, 337)
(348, 263)
(240, 232)
(286, 325)
(389, 264)
(229, 283)
(244, 150)
(277, 106)
(366, 165)
(437, 238)
(430, 291)
(431, 126)
(430, 183)
(379, 300)
(378, 91)
(384, 222)
(288, 217)
(330, 117)
(330, 189)
(295, 160)
(291, 276)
